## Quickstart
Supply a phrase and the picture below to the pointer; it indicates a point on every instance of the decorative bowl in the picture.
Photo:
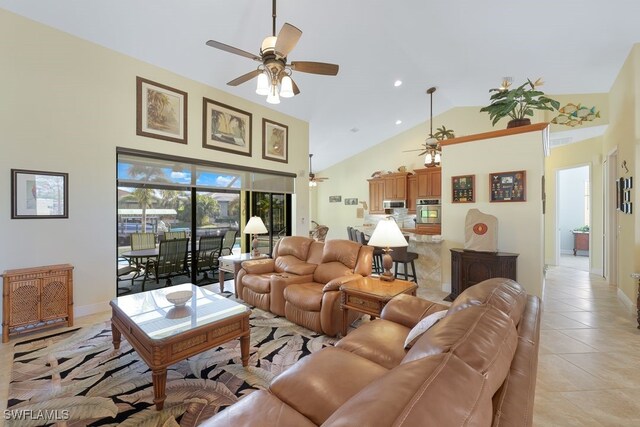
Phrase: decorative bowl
(178, 298)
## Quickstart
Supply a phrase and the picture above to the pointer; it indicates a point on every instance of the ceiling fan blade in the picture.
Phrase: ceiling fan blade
(234, 50)
(244, 78)
(296, 89)
(409, 151)
(287, 39)
(315, 67)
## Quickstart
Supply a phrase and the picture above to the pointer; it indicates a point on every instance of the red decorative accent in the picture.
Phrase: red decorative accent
(480, 228)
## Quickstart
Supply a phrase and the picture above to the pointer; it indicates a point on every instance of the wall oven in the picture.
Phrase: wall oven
(428, 211)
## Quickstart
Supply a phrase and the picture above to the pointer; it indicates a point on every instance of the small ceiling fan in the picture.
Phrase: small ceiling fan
(274, 73)
(313, 179)
(431, 145)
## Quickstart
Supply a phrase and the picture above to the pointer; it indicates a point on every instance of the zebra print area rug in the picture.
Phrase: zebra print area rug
(79, 376)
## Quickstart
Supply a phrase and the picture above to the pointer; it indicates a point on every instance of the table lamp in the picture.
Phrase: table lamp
(387, 235)
(255, 226)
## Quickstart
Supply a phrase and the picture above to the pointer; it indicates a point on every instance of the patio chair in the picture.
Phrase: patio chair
(141, 241)
(209, 249)
(171, 261)
(228, 242)
(170, 235)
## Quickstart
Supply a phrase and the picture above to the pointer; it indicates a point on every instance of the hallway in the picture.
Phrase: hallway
(589, 361)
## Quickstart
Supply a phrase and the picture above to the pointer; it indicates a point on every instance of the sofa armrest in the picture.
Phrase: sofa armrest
(408, 310)
(334, 284)
(259, 266)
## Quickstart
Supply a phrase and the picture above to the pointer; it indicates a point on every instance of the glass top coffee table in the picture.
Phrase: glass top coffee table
(163, 334)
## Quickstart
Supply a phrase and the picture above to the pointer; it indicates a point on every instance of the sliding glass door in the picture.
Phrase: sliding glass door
(275, 211)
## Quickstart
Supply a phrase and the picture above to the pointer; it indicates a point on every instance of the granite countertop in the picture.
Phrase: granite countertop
(413, 237)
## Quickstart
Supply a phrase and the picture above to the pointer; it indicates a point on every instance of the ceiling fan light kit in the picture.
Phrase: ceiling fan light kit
(433, 151)
(274, 74)
(313, 179)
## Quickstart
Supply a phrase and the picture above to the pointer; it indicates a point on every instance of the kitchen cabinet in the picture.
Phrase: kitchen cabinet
(395, 186)
(412, 193)
(430, 229)
(429, 182)
(376, 195)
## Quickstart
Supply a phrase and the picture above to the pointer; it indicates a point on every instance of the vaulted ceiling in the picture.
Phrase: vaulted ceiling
(463, 47)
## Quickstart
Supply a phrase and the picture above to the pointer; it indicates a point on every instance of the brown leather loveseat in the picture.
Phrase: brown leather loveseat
(302, 280)
(475, 367)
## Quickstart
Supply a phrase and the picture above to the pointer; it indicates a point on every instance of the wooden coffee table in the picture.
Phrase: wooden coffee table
(163, 334)
(369, 295)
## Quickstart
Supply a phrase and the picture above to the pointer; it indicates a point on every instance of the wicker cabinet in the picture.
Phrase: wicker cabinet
(35, 298)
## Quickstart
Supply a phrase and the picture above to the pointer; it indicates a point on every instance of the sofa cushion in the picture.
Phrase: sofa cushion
(504, 294)
(422, 327)
(342, 251)
(328, 271)
(409, 310)
(317, 385)
(483, 336)
(259, 408)
(306, 296)
(257, 282)
(291, 264)
(380, 341)
(296, 246)
(433, 391)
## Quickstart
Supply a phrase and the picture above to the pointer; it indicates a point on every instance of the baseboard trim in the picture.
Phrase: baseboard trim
(626, 301)
(88, 310)
(597, 271)
(566, 251)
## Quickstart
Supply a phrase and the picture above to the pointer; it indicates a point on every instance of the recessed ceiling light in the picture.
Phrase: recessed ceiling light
(398, 122)
(397, 83)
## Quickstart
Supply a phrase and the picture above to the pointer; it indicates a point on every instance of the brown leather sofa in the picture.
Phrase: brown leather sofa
(475, 367)
(302, 280)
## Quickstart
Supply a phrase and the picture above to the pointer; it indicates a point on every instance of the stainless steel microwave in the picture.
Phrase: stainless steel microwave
(394, 204)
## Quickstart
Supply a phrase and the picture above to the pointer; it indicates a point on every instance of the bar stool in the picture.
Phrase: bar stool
(377, 252)
(404, 257)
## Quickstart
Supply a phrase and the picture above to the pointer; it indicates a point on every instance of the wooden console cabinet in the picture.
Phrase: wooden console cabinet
(469, 268)
(35, 298)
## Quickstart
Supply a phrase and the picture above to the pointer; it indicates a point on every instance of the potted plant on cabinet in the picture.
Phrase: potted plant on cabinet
(518, 103)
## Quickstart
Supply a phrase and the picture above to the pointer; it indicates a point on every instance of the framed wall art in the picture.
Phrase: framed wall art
(351, 201)
(335, 199)
(36, 194)
(463, 189)
(226, 128)
(275, 141)
(161, 111)
(508, 186)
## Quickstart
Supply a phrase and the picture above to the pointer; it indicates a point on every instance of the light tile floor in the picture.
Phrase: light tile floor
(589, 363)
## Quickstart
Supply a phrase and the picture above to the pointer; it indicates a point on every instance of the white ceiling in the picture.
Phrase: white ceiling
(462, 47)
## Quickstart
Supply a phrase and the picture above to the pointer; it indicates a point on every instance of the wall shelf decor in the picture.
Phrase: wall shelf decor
(463, 189)
(36, 194)
(508, 186)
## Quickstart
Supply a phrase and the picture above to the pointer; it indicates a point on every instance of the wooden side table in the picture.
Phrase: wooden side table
(369, 296)
(580, 241)
(233, 264)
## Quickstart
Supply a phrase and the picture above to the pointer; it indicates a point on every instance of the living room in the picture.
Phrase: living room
(70, 103)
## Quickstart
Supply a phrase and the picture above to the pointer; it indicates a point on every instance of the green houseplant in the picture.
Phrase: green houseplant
(518, 103)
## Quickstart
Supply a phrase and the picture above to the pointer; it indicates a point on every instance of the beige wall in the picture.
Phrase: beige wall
(66, 105)
(349, 177)
(520, 224)
(588, 152)
(623, 135)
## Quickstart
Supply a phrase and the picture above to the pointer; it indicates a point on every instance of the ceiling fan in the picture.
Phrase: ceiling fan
(274, 73)
(431, 146)
(313, 179)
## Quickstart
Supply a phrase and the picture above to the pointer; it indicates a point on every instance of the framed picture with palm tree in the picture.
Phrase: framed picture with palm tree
(275, 141)
(225, 128)
(161, 111)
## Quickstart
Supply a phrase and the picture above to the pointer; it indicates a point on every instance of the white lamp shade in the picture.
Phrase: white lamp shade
(387, 235)
(428, 159)
(286, 87)
(255, 226)
(273, 97)
(438, 158)
(263, 84)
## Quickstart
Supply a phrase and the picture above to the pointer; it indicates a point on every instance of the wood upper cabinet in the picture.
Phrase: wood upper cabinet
(412, 193)
(429, 182)
(395, 186)
(376, 195)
